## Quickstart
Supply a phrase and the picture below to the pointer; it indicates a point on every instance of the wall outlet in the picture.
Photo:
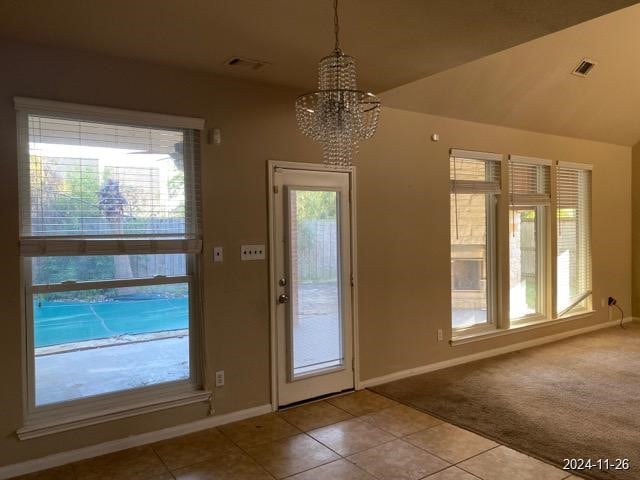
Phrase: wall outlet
(220, 378)
(440, 335)
(252, 252)
(218, 254)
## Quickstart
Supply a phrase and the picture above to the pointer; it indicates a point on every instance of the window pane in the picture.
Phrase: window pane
(89, 178)
(523, 262)
(574, 240)
(472, 169)
(47, 270)
(317, 320)
(469, 263)
(89, 342)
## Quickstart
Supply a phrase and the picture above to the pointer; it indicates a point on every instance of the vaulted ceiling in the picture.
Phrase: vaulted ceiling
(395, 41)
(531, 87)
(504, 62)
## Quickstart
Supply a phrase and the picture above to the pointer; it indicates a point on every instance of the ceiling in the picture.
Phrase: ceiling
(530, 86)
(395, 42)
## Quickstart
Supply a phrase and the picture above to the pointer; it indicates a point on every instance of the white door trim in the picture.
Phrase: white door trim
(271, 167)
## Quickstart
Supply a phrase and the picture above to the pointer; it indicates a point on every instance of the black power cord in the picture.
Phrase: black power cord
(612, 302)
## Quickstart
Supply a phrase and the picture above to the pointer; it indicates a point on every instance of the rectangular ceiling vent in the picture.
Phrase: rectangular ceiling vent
(584, 67)
(245, 63)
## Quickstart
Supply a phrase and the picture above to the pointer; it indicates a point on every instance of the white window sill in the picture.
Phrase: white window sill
(522, 327)
(41, 425)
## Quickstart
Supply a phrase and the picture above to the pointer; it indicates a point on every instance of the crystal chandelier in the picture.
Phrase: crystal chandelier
(338, 115)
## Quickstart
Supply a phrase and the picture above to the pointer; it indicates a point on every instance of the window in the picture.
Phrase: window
(573, 277)
(529, 199)
(475, 182)
(110, 243)
(479, 235)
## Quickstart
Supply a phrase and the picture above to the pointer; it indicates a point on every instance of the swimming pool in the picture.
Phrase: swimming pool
(67, 322)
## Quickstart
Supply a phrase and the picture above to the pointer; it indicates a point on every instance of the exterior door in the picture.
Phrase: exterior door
(312, 283)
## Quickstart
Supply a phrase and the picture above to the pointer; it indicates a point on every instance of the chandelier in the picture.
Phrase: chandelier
(338, 115)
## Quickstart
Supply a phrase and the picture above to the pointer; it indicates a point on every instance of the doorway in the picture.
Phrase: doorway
(311, 282)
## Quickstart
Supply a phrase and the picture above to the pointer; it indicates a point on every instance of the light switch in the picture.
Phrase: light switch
(218, 254)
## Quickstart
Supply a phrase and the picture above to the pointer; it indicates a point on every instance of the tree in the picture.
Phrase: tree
(316, 205)
(111, 203)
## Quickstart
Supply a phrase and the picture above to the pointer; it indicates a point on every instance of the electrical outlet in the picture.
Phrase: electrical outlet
(252, 252)
(220, 378)
(440, 335)
(218, 254)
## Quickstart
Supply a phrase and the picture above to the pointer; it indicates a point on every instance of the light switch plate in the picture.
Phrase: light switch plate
(218, 254)
(252, 252)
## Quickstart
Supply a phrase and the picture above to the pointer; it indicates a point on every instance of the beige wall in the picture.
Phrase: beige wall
(404, 266)
(403, 224)
(635, 202)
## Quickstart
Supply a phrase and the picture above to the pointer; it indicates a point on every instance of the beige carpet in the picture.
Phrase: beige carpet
(576, 398)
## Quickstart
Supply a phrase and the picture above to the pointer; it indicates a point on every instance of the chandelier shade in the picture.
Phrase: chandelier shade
(338, 115)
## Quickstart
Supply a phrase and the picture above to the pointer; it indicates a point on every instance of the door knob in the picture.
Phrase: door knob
(283, 298)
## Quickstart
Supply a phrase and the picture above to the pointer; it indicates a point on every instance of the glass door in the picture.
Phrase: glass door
(313, 284)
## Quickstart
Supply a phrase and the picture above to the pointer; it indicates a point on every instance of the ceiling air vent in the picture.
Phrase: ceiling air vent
(245, 63)
(584, 67)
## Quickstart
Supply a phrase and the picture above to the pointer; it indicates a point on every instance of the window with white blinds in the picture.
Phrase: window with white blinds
(471, 172)
(529, 181)
(573, 281)
(479, 205)
(529, 198)
(474, 184)
(96, 180)
(109, 235)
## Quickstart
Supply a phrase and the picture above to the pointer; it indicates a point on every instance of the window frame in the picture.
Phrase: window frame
(546, 261)
(542, 249)
(492, 208)
(541, 200)
(60, 416)
(573, 311)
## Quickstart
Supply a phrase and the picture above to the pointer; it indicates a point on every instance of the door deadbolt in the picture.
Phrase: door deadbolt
(283, 298)
(282, 282)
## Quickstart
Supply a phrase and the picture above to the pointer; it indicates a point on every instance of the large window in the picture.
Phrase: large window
(109, 239)
(475, 182)
(504, 272)
(529, 199)
(573, 267)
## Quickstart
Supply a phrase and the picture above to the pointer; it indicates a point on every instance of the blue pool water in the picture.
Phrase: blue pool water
(66, 322)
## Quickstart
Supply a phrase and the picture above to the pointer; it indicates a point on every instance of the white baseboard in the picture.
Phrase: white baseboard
(372, 382)
(63, 458)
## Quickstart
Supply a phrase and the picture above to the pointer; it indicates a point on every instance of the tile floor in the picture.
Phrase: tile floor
(360, 436)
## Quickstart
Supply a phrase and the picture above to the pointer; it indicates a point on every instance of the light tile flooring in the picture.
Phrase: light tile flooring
(360, 436)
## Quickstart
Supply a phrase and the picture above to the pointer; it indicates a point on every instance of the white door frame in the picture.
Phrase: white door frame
(273, 277)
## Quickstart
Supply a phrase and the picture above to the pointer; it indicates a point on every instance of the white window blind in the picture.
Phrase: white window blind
(573, 237)
(529, 181)
(92, 186)
(474, 172)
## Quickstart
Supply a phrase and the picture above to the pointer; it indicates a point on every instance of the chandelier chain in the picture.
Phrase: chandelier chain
(336, 25)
